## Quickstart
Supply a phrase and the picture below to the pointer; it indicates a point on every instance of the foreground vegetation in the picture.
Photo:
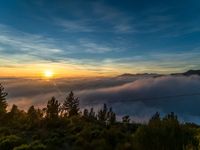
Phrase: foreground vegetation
(64, 127)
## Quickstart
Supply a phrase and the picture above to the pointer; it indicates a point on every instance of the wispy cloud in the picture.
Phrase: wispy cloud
(120, 21)
(25, 47)
(101, 18)
(93, 47)
(79, 25)
(19, 44)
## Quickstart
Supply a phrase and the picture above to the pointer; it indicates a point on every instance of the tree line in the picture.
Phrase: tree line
(65, 127)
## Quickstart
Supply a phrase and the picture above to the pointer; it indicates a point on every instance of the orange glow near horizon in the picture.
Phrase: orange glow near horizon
(54, 71)
(61, 70)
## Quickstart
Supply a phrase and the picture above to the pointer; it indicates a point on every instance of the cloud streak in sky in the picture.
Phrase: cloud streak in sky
(18, 48)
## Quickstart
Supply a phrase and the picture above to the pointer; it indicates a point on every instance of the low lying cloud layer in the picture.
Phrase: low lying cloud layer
(139, 97)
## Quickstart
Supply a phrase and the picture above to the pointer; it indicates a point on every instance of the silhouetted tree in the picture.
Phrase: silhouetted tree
(16, 116)
(126, 119)
(92, 115)
(166, 134)
(71, 105)
(155, 119)
(111, 116)
(171, 117)
(33, 116)
(52, 110)
(14, 112)
(85, 113)
(156, 116)
(3, 103)
(102, 114)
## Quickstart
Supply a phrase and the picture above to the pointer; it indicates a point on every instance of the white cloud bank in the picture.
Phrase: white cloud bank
(137, 97)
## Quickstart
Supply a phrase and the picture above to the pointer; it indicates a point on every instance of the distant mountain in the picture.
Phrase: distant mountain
(188, 73)
(129, 75)
(192, 72)
(142, 75)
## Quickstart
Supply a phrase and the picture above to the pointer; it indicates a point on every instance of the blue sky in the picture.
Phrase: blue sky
(104, 37)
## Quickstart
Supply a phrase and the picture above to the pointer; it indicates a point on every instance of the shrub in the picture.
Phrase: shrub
(9, 142)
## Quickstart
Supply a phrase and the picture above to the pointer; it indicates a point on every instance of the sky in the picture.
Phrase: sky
(98, 37)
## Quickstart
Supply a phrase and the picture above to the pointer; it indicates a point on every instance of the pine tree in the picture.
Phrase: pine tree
(71, 105)
(53, 107)
(155, 119)
(102, 114)
(32, 116)
(3, 103)
(85, 113)
(16, 115)
(126, 119)
(92, 115)
(111, 116)
(14, 111)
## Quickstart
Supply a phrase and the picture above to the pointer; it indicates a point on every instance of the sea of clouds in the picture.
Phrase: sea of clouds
(139, 97)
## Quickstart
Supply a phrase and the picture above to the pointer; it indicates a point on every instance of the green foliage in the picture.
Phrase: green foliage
(9, 142)
(4, 131)
(52, 109)
(36, 145)
(22, 147)
(164, 134)
(85, 113)
(14, 112)
(102, 114)
(92, 115)
(106, 116)
(111, 117)
(33, 117)
(71, 105)
(16, 117)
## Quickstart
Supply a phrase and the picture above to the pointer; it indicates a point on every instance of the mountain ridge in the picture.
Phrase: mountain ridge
(187, 73)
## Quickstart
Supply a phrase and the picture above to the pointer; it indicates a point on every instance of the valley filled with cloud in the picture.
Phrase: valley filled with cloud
(139, 96)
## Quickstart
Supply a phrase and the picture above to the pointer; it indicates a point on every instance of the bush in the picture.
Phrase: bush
(36, 145)
(4, 131)
(9, 142)
(22, 147)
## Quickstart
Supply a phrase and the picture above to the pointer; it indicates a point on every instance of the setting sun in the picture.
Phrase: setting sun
(48, 73)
